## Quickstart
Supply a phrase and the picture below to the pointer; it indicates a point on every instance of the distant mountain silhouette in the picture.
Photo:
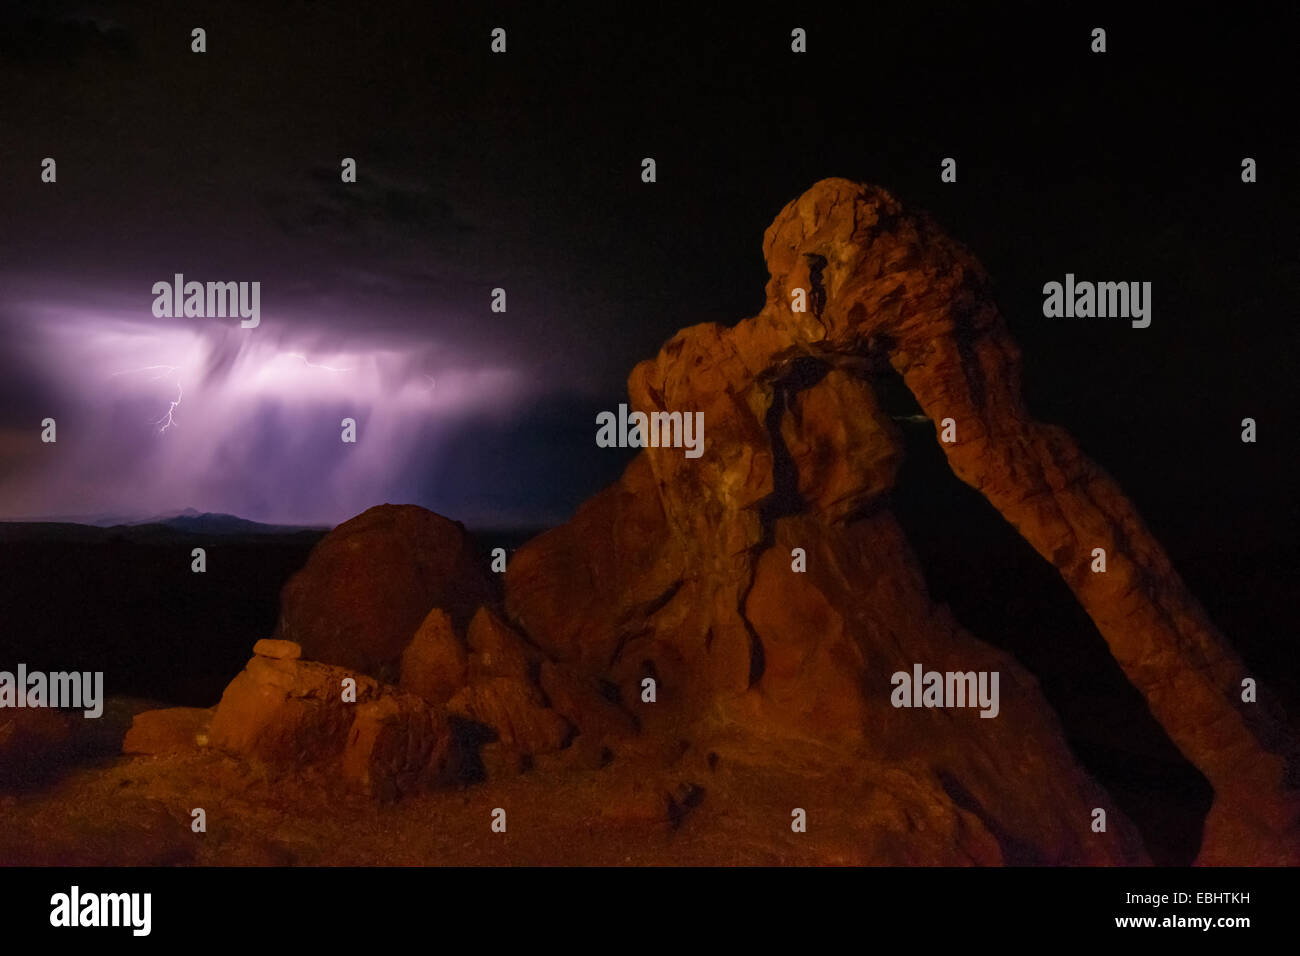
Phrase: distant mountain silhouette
(190, 520)
(214, 523)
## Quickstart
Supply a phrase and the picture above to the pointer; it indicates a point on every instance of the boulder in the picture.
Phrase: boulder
(279, 650)
(497, 650)
(515, 710)
(581, 703)
(398, 745)
(173, 730)
(370, 582)
(291, 714)
(435, 664)
(288, 713)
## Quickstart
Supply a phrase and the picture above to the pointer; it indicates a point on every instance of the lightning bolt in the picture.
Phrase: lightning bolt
(168, 420)
(326, 368)
(149, 368)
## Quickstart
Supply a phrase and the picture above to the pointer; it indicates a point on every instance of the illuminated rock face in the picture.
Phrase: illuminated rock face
(755, 604)
(685, 569)
(370, 583)
(288, 713)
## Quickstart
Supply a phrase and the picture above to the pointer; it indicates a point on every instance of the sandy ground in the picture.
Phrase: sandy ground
(136, 811)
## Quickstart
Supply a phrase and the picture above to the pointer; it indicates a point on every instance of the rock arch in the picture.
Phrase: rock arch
(888, 286)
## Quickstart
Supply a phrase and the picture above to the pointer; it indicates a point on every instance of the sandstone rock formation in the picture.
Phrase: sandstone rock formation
(289, 714)
(766, 596)
(436, 662)
(682, 571)
(502, 694)
(371, 581)
(466, 678)
(396, 745)
(173, 730)
(279, 650)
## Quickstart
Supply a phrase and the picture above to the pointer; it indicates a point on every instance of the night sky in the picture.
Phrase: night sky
(522, 171)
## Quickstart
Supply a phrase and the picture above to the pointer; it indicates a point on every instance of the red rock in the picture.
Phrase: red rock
(497, 650)
(503, 697)
(398, 745)
(771, 678)
(682, 570)
(579, 590)
(436, 663)
(371, 581)
(502, 761)
(291, 714)
(845, 450)
(580, 703)
(280, 650)
(515, 710)
(898, 288)
(174, 730)
(288, 713)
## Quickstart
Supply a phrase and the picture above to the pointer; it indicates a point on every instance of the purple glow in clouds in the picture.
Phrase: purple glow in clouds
(156, 415)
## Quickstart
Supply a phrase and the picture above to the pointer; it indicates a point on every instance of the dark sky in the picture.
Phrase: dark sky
(523, 171)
